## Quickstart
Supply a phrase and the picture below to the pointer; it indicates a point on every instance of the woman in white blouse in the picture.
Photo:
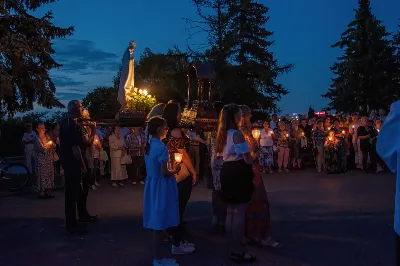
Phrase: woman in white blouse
(236, 179)
(267, 152)
(117, 150)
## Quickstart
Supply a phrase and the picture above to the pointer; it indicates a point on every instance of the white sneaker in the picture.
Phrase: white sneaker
(182, 249)
(114, 185)
(96, 184)
(134, 183)
(184, 242)
(142, 182)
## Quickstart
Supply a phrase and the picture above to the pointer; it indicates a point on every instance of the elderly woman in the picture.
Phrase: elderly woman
(45, 148)
(117, 150)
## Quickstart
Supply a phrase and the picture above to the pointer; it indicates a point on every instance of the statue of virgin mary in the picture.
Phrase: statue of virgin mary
(126, 81)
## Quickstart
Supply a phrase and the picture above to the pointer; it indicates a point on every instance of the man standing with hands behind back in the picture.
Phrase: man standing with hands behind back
(388, 148)
(73, 165)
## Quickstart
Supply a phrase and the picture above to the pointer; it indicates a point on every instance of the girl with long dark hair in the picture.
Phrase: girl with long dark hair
(160, 204)
(236, 179)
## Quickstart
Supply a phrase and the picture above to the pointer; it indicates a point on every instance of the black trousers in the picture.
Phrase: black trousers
(184, 192)
(134, 169)
(372, 156)
(74, 198)
(87, 180)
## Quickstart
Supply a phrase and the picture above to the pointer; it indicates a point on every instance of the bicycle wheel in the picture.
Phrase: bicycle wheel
(15, 176)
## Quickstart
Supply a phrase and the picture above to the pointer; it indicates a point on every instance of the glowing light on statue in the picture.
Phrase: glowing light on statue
(127, 74)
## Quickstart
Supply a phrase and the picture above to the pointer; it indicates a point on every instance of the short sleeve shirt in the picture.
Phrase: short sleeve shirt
(70, 135)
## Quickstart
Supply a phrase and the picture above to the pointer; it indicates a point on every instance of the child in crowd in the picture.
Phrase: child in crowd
(161, 207)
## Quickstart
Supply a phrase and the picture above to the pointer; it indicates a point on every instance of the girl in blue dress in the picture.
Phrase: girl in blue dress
(161, 207)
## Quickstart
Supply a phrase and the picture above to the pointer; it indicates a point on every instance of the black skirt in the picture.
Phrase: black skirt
(236, 182)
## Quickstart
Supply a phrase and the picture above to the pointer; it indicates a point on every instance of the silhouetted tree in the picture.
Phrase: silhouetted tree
(365, 75)
(26, 56)
(311, 112)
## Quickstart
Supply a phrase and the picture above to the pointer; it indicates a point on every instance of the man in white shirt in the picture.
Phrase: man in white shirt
(28, 140)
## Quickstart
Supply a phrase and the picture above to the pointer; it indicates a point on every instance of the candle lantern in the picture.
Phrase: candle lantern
(178, 157)
(256, 133)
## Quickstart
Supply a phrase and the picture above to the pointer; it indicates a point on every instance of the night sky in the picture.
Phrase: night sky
(304, 31)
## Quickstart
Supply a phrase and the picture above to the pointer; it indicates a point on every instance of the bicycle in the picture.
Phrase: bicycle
(14, 175)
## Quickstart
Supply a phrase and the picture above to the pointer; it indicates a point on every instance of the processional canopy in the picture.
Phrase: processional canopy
(198, 112)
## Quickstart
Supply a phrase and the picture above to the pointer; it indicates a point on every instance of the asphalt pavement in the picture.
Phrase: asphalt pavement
(322, 220)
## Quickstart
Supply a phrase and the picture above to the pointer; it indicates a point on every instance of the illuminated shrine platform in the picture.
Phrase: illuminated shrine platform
(328, 220)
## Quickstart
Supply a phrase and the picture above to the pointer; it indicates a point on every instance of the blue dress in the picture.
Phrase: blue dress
(160, 204)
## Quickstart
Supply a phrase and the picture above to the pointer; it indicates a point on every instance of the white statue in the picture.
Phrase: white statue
(126, 81)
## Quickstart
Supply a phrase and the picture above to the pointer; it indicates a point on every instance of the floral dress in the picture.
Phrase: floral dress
(45, 163)
(266, 148)
(331, 154)
(258, 218)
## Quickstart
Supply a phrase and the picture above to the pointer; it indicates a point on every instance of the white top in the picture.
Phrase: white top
(28, 137)
(266, 138)
(272, 125)
(234, 152)
(114, 145)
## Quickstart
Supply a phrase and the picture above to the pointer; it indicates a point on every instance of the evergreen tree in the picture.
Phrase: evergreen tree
(365, 74)
(26, 56)
(255, 68)
(311, 112)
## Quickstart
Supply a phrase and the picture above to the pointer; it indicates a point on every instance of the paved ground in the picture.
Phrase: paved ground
(322, 220)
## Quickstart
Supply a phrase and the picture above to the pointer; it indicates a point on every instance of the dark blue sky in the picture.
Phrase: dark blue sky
(304, 31)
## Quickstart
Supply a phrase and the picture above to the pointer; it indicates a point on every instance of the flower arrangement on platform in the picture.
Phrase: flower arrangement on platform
(139, 100)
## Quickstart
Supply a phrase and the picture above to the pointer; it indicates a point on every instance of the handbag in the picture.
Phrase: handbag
(182, 174)
(126, 159)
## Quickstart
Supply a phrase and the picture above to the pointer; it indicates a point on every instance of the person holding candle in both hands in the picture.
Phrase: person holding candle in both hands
(160, 201)
(332, 165)
(266, 148)
(283, 147)
(44, 147)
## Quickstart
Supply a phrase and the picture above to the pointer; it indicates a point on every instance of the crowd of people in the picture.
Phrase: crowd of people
(168, 160)
(334, 144)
